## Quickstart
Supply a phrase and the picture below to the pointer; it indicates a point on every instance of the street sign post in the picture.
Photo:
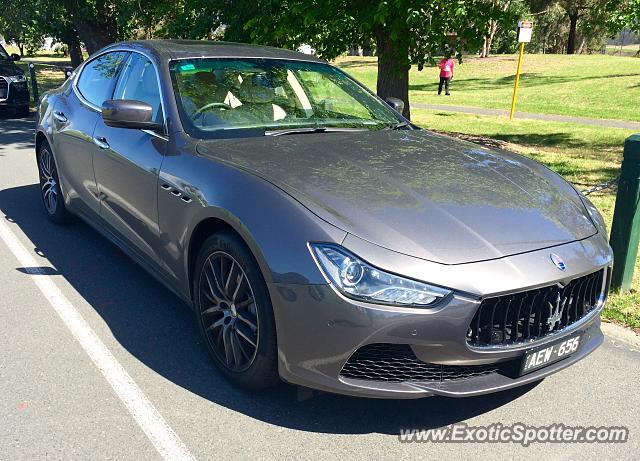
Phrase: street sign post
(525, 28)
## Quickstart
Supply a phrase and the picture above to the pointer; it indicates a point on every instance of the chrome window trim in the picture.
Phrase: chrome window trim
(155, 135)
(83, 100)
(235, 56)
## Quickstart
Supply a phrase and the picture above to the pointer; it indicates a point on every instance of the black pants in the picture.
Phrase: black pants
(445, 81)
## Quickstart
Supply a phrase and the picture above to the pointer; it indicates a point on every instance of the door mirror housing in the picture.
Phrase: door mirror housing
(127, 113)
(15, 57)
(396, 104)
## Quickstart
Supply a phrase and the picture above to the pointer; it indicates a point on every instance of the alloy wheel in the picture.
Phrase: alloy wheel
(48, 181)
(228, 310)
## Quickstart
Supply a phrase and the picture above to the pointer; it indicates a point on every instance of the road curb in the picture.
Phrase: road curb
(621, 334)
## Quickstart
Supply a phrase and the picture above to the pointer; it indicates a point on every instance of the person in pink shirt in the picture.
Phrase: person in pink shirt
(446, 73)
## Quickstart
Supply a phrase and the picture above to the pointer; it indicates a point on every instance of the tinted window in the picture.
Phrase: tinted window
(98, 76)
(229, 94)
(3, 53)
(139, 81)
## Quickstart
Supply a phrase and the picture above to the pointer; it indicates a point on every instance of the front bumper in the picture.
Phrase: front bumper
(319, 330)
(13, 95)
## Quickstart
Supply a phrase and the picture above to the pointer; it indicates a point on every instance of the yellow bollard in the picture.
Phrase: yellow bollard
(515, 88)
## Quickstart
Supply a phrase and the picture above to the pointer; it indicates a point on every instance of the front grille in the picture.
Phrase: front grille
(4, 88)
(398, 363)
(533, 314)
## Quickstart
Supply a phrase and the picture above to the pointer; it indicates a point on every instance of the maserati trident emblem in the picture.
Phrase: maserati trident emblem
(558, 261)
(555, 312)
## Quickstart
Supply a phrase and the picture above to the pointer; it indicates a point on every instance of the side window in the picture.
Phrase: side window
(139, 81)
(98, 76)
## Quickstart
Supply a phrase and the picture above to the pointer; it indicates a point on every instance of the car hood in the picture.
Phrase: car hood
(416, 192)
(9, 69)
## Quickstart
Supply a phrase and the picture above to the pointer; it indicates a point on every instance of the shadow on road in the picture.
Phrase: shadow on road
(18, 132)
(160, 331)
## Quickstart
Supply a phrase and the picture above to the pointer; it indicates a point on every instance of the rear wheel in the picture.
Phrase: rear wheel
(234, 312)
(50, 186)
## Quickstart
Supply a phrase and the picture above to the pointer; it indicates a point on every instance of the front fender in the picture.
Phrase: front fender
(274, 225)
(44, 125)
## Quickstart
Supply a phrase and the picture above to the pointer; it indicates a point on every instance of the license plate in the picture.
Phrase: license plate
(541, 357)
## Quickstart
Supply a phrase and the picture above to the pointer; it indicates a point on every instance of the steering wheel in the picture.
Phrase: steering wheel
(208, 107)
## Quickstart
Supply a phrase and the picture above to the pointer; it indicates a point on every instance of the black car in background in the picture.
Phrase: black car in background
(14, 92)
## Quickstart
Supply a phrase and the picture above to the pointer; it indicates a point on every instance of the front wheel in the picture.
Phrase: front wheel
(234, 311)
(50, 186)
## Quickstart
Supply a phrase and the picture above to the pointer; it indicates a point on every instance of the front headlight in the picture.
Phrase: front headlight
(359, 280)
(17, 78)
(595, 216)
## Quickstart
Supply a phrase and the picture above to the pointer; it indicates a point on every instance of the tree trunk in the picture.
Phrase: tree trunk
(95, 32)
(393, 69)
(622, 41)
(93, 35)
(573, 28)
(488, 40)
(583, 44)
(75, 50)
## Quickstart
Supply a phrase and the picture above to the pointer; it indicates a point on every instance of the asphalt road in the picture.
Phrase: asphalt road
(55, 403)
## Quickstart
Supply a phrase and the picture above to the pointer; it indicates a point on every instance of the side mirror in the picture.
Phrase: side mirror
(396, 104)
(15, 57)
(127, 113)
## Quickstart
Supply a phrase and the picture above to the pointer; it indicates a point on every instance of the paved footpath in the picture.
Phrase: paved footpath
(61, 396)
(531, 116)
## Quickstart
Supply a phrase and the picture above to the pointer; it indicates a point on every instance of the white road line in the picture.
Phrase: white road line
(163, 438)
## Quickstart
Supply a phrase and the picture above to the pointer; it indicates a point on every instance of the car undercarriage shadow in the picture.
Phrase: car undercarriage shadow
(159, 330)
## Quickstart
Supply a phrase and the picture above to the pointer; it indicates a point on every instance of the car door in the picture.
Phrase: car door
(127, 162)
(74, 119)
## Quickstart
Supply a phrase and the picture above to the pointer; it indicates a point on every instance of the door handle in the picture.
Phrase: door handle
(59, 116)
(101, 142)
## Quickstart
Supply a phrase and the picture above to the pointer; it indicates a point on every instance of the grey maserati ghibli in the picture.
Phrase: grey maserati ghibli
(319, 237)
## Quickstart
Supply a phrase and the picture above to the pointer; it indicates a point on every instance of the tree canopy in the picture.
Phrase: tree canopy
(403, 33)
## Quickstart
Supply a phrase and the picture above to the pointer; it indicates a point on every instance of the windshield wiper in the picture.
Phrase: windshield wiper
(400, 125)
(286, 131)
(308, 130)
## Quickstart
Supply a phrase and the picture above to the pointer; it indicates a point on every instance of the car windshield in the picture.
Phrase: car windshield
(218, 95)
(3, 54)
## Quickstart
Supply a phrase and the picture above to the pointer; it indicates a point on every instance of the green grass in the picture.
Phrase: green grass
(597, 86)
(40, 56)
(583, 154)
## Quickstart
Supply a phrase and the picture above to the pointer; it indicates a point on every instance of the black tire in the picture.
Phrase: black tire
(50, 191)
(237, 303)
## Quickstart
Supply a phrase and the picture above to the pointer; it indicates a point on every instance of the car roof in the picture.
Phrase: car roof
(181, 49)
